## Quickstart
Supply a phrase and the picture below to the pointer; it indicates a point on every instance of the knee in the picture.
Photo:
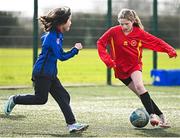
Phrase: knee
(42, 100)
(139, 87)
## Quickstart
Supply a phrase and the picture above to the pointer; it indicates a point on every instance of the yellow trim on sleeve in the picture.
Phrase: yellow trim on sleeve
(138, 48)
(113, 49)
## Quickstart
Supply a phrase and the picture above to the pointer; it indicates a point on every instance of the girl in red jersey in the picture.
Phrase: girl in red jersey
(126, 43)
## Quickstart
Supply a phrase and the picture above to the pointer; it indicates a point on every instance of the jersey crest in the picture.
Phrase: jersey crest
(58, 41)
(133, 43)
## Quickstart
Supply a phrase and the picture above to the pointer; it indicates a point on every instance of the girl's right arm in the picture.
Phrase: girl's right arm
(102, 51)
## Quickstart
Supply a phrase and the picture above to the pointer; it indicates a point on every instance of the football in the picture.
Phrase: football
(139, 118)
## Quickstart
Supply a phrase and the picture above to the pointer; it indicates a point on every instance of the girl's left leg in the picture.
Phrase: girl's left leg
(157, 111)
(62, 97)
(136, 77)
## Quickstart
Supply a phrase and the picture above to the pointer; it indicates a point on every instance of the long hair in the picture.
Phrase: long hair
(55, 17)
(131, 16)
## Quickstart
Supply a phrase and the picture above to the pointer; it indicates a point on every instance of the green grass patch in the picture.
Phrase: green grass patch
(106, 109)
(86, 68)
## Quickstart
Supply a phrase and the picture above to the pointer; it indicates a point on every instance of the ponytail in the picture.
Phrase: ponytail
(137, 21)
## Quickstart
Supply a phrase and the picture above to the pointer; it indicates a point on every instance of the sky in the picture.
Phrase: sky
(27, 5)
(96, 6)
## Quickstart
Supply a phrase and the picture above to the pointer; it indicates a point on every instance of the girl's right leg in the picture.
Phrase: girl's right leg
(42, 86)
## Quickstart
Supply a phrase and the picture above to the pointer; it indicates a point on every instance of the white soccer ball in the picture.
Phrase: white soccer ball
(139, 118)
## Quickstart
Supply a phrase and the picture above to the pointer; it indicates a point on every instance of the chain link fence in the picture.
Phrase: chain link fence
(88, 24)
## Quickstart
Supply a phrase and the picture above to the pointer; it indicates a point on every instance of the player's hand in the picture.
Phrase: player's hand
(78, 46)
(112, 64)
(172, 54)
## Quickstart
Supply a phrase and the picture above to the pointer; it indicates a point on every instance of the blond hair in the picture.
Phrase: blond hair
(131, 16)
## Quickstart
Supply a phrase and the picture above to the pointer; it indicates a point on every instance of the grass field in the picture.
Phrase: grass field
(106, 109)
(86, 68)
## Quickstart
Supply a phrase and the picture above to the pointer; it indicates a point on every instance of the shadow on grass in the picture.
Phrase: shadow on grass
(80, 134)
(12, 117)
(157, 132)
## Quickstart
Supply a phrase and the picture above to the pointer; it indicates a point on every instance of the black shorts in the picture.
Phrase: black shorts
(126, 81)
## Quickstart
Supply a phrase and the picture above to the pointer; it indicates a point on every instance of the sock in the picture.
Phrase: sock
(156, 109)
(146, 101)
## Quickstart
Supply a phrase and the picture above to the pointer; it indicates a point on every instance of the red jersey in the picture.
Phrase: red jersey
(126, 50)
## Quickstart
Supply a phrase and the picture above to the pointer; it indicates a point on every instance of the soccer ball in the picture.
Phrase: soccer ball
(139, 118)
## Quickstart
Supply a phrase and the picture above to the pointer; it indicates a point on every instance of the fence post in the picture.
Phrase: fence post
(35, 31)
(109, 23)
(155, 30)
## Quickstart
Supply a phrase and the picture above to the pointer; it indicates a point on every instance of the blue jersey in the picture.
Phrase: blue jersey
(46, 64)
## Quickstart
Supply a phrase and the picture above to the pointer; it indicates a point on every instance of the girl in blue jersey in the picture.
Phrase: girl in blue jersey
(44, 73)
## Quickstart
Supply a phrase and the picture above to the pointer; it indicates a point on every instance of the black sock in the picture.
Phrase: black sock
(156, 109)
(147, 102)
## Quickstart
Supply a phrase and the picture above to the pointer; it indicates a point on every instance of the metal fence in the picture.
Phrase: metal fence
(88, 23)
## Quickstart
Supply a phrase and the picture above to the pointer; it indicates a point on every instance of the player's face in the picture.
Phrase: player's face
(127, 25)
(65, 27)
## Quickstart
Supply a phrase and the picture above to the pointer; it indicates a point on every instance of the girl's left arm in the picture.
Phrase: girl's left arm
(60, 53)
(156, 44)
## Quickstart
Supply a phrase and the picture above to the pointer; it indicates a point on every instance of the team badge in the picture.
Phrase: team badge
(58, 41)
(133, 43)
(125, 43)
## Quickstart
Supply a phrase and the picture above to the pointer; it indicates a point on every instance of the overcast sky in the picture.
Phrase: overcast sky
(96, 6)
(27, 5)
